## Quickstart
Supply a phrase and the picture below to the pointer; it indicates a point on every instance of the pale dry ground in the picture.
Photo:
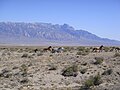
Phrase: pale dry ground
(43, 70)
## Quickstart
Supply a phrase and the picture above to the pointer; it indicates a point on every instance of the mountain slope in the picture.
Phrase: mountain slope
(46, 33)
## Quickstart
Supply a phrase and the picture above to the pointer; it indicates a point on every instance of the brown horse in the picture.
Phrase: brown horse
(99, 49)
(48, 49)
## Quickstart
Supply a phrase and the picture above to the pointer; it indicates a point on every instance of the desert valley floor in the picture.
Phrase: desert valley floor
(75, 68)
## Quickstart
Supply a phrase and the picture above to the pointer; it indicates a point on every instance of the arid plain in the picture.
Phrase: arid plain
(75, 68)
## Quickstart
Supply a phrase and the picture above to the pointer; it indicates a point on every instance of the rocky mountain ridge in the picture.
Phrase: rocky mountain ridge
(39, 33)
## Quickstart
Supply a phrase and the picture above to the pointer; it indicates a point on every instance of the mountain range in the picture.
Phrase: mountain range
(20, 33)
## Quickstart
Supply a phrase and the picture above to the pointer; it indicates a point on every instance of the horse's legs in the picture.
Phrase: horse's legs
(116, 50)
(100, 50)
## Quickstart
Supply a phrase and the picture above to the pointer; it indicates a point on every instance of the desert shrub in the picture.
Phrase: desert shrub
(50, 55)
(27, 49)
(79, 53)
(99, 60)
(107, 72)
(24, 69)
(89, 83)
(92, 81)
(85, 53)
(68, 49)
(80, 48)
(87, 50)
(83, 70)
(97, 79)
(13, 49)
(70, 71)
(25, 55)
(106, 49)
(82, 53)
(20, 50)
(117, 55)
(90, 47)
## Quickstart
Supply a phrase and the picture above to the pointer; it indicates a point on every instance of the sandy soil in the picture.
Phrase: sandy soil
(21, 68)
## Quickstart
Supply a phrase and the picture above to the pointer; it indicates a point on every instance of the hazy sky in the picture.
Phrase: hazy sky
(100, 17)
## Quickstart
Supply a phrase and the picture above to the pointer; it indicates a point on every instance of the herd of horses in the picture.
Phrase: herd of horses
(54, 50)
(101, 48)
(94, 49)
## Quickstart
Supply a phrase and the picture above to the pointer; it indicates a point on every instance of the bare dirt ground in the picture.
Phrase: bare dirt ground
(76, 68)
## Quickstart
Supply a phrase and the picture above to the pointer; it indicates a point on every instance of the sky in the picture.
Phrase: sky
(100, 17)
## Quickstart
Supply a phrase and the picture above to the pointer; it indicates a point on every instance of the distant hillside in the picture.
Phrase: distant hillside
(48, 34)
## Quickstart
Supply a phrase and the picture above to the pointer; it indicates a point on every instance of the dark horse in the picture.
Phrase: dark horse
(100, 49)
(48, 49)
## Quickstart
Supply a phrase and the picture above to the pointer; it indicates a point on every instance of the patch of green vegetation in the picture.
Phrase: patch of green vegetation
(24, 69)
(79, 53)
(99, 60)
(92, 81)
(97, 79)
(70, 71)
(80, 48)
(107, 49)
(82, 53)
(68, 49)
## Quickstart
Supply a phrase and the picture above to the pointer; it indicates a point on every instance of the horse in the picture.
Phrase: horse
(36, 50)
(58, 50)
(100, 49)
(48, 49)
(117, 49)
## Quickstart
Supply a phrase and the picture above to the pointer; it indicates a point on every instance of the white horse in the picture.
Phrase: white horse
(58, 50)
